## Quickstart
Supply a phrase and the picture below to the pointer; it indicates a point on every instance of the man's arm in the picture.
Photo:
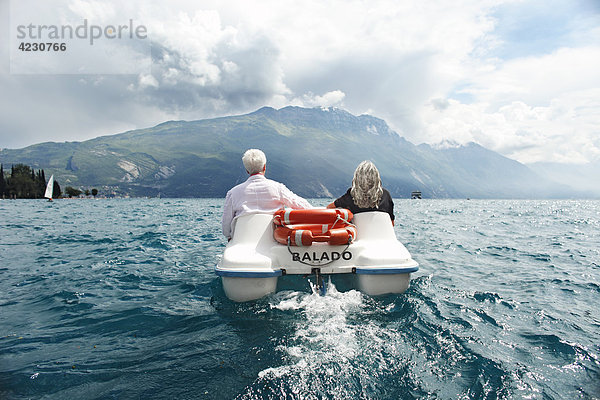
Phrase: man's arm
(227, 216)
(292, 200)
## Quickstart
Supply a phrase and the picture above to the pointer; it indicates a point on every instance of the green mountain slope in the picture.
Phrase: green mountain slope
(313, 151)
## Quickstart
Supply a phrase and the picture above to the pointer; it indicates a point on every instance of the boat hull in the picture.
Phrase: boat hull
(375, 285)
(247, 289)
(253, 260)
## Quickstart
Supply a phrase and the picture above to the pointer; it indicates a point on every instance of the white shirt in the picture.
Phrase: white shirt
(257, 195)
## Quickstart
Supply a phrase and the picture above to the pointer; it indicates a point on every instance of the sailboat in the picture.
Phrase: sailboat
(49, 188)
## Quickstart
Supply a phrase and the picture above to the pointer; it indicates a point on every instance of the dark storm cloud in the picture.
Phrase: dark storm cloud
(231, 79)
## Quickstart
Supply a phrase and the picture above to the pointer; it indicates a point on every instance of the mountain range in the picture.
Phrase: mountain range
(314, 151)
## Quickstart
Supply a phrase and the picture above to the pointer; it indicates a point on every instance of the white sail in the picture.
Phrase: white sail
(49, 188)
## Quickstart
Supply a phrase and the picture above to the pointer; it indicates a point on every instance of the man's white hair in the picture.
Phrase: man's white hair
(254, 161)
(366, 186)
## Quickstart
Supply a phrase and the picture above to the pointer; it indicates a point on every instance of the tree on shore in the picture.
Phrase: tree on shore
(94, 192)
(2, 182)
(41, 180)
(24, 183)
(72, 192)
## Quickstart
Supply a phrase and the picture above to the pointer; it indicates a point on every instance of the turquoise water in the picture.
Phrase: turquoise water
(117, 299)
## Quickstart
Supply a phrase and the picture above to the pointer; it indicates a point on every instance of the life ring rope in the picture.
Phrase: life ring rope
(304, 227)
(288, 216)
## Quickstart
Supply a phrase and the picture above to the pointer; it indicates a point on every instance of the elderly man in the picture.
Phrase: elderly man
(258, 194)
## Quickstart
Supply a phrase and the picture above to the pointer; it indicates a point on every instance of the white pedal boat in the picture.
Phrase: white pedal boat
(253, 261)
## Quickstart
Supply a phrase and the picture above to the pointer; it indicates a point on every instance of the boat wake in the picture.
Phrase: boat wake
(334, 350)
(324, 333)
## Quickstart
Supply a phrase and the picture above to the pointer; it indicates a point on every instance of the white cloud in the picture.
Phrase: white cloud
(147, 81)
(433, 69)
(565, 131)
(543, 108)
(537, 80)
(204, 67)
(97, 11)
(329, 99)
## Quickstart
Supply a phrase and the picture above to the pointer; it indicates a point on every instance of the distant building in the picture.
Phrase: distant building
(415, 195)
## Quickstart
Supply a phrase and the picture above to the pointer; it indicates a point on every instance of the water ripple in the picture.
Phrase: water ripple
(118, 299)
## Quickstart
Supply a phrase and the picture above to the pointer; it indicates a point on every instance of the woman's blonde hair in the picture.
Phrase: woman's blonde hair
(366, 186)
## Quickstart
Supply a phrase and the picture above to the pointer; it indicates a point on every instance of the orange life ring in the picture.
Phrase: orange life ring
(305, 227)
(311, 216)
(306, 237)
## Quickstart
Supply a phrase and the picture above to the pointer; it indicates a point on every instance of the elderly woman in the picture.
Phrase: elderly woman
(366, 193)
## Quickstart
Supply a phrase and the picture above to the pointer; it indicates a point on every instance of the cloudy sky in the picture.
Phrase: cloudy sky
(518, 77)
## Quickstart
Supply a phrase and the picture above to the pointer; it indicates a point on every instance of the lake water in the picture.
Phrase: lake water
(117, 299)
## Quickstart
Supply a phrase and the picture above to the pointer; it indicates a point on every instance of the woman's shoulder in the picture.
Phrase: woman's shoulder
(346, 194)
(344, 200)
